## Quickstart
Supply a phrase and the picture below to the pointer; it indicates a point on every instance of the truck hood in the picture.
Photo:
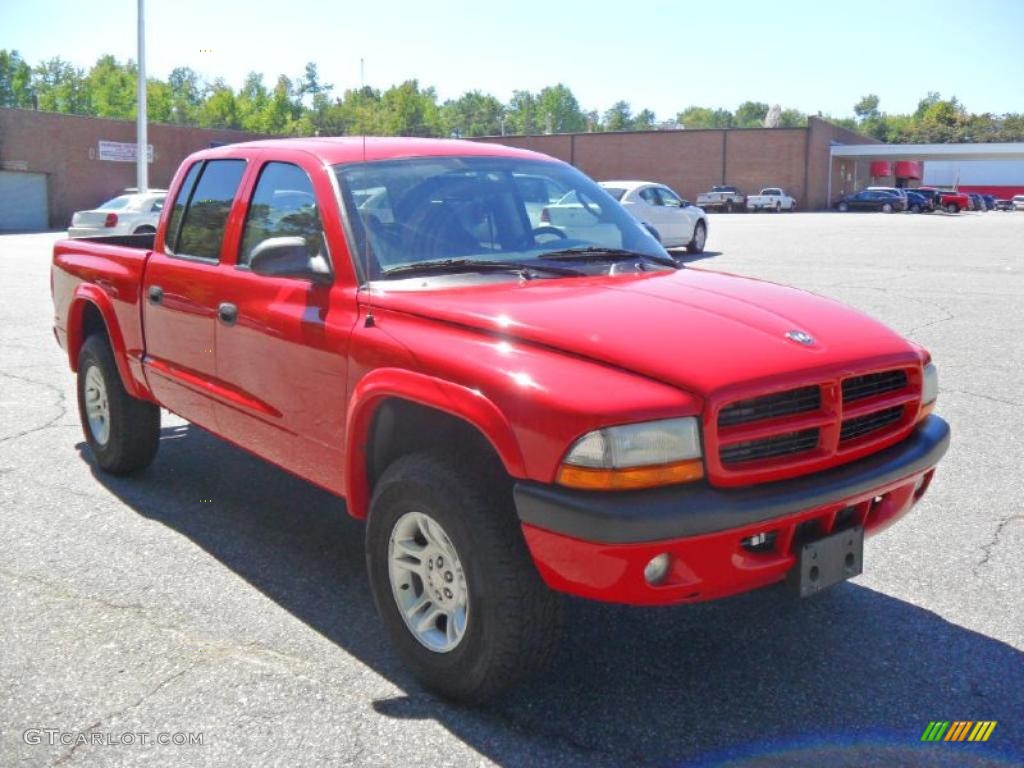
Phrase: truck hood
(699, 330)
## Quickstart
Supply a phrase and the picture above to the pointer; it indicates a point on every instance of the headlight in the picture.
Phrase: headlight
(929, 389)
(930, 384)
(635, 456)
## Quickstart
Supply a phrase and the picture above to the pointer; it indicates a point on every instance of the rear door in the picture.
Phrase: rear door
(282, 342)
(178, 293)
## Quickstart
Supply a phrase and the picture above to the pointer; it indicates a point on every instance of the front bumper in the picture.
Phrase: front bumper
(596, 544)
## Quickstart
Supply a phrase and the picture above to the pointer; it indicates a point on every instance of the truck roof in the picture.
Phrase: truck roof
(348, 149)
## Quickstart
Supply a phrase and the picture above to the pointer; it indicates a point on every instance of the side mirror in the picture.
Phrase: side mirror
(288, 257)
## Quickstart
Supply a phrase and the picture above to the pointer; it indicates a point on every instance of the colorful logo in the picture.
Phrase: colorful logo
(958, 730)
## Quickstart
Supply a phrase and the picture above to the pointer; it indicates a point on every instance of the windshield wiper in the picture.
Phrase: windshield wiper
(598, 253)
(474, 265)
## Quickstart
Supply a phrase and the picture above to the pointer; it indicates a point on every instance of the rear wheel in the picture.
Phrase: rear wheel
(700, 236)
(843, 206)
(122, 431)
(915, 208)
(778, 207)
(728, 207)
(453, 581)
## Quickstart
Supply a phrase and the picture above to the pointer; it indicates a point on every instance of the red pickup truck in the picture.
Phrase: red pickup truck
(950, 201)
(517, 408)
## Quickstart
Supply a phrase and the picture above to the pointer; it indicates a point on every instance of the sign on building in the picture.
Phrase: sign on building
(121, 152)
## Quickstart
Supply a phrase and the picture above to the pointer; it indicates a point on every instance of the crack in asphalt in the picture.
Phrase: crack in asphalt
(61, 404)
(967, 392)
(121, 712)
(987, 548)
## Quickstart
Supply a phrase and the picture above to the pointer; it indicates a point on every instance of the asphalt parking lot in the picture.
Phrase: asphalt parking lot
(216, 595)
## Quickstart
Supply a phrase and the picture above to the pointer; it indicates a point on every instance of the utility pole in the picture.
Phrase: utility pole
(141, 139)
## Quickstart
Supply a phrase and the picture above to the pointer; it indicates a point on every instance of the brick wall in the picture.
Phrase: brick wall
(692, 161)
(65, 148)
(847, 175)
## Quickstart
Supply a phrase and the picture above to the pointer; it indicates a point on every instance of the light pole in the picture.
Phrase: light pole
(141, 139)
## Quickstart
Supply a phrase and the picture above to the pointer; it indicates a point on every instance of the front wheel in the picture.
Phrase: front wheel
(728, 207)
(453, 581)
(843, 207)
(952, 208)
(123, 432)
(700, 236)
(886, 207)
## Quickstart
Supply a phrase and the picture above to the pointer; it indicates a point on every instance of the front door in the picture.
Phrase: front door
(178, 293)
(282, 344)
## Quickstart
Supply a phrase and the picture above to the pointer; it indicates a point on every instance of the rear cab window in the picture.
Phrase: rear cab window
(200, 214)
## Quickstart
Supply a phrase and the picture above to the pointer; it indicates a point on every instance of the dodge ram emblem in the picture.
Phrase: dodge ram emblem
(800, 337)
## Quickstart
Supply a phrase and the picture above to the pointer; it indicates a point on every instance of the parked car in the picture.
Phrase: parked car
(900, 191)
(1018, 202)
(990, 202)
(1004, 205)
(129, 214)
(919, 202)
(950, 201)
(722, 198)
(675, 222)
(514, 411)
(872, 200)
(977, 203)
(771, 199)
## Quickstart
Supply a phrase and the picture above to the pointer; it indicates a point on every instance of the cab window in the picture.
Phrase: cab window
(283, 205)
(650, 196)
(206, 214)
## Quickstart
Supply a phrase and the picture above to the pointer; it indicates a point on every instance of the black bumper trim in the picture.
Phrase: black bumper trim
(690, 510)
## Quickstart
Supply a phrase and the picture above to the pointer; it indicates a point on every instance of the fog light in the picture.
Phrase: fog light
(759, 542)
(657, 569)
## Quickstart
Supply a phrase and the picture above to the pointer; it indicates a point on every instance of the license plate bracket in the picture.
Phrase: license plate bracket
(824, 562)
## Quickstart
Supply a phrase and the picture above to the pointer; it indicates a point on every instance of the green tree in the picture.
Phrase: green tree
(15, 80)
(111, 87)
(473, 114)
(186, 96)
(619, 117)
(867, 107)
(751, 114)
(644, 120)
(521, 114)
(406, 110)
(558, 111)
(219, 108)
(60, 87)
(695, 118)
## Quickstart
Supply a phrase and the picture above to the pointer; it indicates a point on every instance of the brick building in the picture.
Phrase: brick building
(691, 161)
(52, 165)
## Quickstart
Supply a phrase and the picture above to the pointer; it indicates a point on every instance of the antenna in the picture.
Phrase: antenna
(369, 322)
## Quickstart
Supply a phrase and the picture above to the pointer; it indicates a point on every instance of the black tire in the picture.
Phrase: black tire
(952, 208)
(133, 434)
(728, 207)
(514, 620)
(693, 246)
(886, 207)
(915, 208)
(843, 206)
(778, 207)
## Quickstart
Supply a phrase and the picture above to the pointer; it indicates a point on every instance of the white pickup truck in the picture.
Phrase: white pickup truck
(721, 198)
(771, 199)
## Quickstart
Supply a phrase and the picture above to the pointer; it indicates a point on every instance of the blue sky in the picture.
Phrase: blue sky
(660, 54)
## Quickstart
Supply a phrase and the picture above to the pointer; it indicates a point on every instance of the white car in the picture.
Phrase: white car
(130, 214)
(771, 199)
(1018, 202)
(673, 220)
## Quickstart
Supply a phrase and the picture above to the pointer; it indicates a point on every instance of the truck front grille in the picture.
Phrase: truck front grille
(809, 427)
(770, 447)
(770, 406)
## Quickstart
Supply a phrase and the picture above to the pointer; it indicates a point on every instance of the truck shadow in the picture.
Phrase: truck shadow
(849, 678)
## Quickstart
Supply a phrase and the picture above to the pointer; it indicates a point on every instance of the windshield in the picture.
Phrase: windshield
(480, 208)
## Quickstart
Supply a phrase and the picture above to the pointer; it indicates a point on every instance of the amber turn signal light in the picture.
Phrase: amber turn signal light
(630, 478)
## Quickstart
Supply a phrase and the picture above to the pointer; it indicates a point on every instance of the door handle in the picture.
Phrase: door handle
(227, 313)
(156, 294)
